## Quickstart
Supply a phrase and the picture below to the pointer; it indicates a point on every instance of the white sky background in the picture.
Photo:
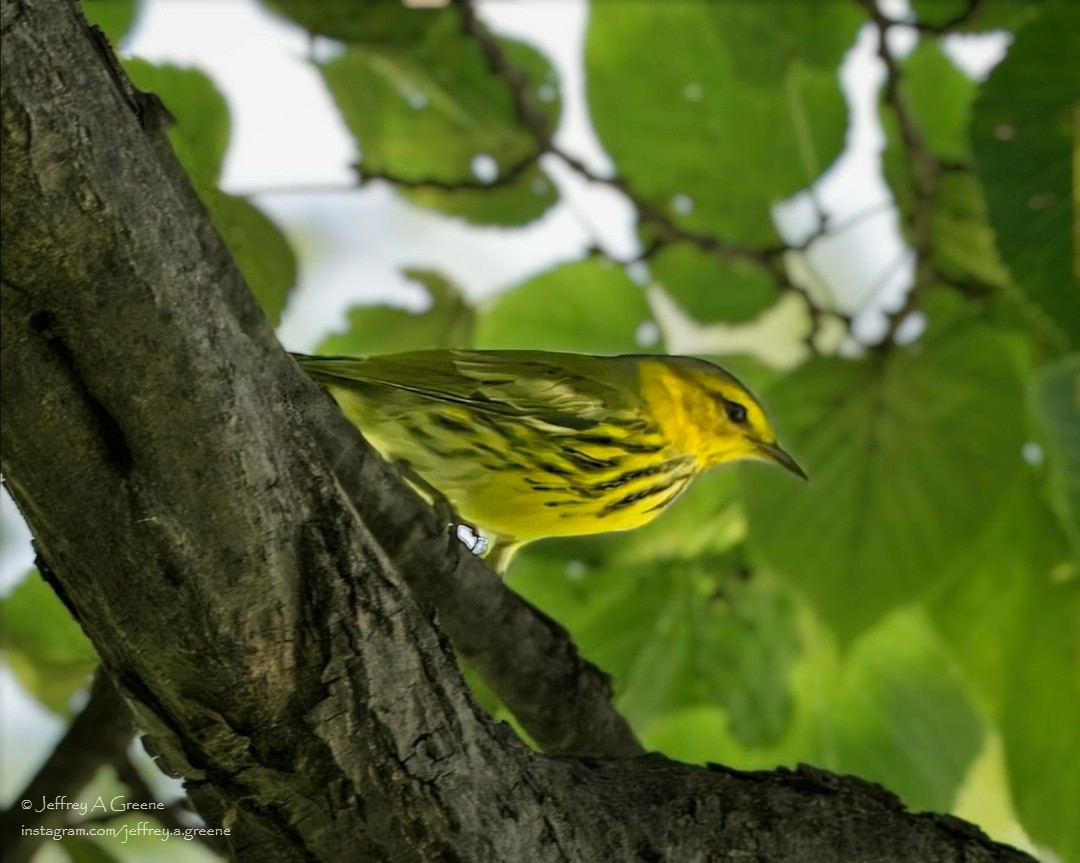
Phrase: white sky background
(352, 243)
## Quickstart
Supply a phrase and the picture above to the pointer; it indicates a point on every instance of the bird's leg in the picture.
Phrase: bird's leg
(448, 518)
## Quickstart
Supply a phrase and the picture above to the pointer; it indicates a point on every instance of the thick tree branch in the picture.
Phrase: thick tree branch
(229, 550)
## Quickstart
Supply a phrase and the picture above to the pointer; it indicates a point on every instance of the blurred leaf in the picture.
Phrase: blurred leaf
(524, 200)
(1013, 621)
(46, 648)
(114, 17)
(709, 289)
(447, 323)
(940, 96)
(988, 15)
(902, 716)
(86, 851)
(432, 110)
(906, 454)
(712, 151)
(982, 613)
(377, 22)
(676, 634)
(1041, 718)
(261, 250)
(1024, 138)
(894, 712)
(962, 237)
(200, 135)
(1058, 394)
(764, 37)
(590, 306)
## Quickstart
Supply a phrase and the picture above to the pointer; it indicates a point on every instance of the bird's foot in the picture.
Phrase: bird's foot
(471, 538)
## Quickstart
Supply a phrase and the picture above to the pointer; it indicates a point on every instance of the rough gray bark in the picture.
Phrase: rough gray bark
(248, 587)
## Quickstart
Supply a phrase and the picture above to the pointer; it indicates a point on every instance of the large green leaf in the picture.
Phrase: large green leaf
(432, 110)
(447, 323)
(711, 149)
(906, 453)
(1024, 137)
(676, 634)
(1041, 716)
(963, 240)
(763, 38)
(44, 645)
(1058, 394)
(200, 134)
(261, 250)
(893, 711)
(1012, 618)
(591, 306)
(940, 96)
(732, 291)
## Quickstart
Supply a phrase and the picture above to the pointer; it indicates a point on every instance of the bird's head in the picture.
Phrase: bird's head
(722, 418)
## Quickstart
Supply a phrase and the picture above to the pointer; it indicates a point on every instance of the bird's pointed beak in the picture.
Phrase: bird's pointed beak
(773, 452)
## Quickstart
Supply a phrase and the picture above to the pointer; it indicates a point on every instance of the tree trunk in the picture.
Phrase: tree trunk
(265, 605)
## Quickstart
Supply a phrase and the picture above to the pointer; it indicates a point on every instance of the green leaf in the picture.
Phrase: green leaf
(895, 711)
(259, 247)
(902, 716)
(763, 38)
(1024, 137)
(431, 110)
(524, 200)
(688, 133)
(447, 323)
(988, 15)
(962, 238)
(709, 289)
(591, 306)
(906, 455)
(1040, 718)
(45, 647)
(114, 17)
(376, 22)
(86, 851)
(940, 96)
(200, 134)
(1058, 395)
(676, 634)
(1012, 618)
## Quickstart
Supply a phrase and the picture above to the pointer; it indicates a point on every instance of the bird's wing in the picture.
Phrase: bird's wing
(570, 391)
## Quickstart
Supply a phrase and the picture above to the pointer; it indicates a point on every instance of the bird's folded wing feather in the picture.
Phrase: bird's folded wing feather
(565, 390)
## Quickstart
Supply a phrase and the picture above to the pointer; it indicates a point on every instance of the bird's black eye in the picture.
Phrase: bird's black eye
(735, 411)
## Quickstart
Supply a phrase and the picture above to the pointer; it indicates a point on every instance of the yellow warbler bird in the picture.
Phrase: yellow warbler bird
(531, 444)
